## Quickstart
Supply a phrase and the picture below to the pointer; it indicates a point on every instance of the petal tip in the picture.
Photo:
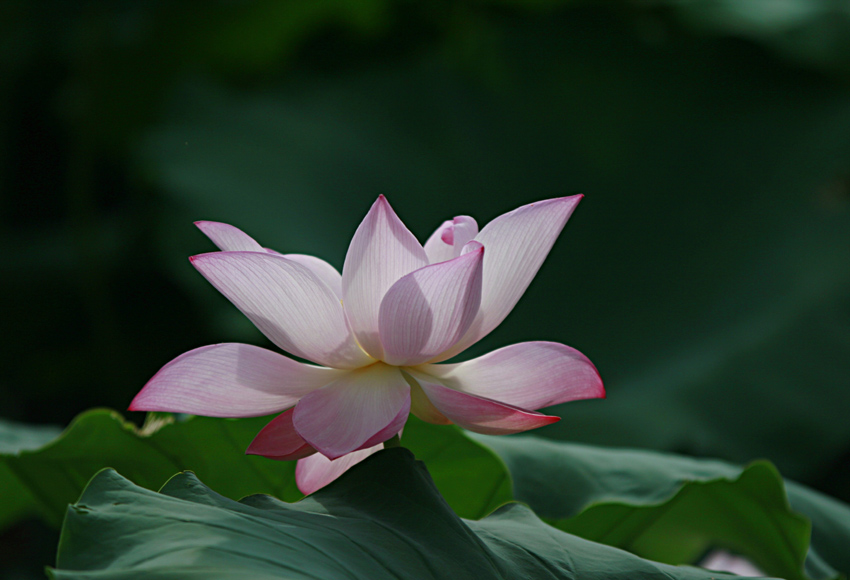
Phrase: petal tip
(136, 404)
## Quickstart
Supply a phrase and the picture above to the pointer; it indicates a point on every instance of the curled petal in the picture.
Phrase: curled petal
(530, 375)
(354, 411)
(316, 471)
(288, 303)
(381, 251)
(230, 380)
(436, 248)
(229, 238)
(428, 310)
(448, 239)
(517, 243)
(479, 414)
(279, 440)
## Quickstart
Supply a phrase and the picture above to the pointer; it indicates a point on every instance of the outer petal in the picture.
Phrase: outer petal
(421, 405)
(530, 375)
(231, 239)
(280, 440)
(381, 251)
(230, 380)
(316, 471)
(288, 303)
(448, 240)
(477, 413)
(349, 413)
(517, 243)
(428, 310)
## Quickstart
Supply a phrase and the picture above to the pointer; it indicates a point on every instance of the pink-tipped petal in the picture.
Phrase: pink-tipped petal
(381, 251)
(438, 249)
(531, 375)
(464, 230)
(279, 440)
(324, 271)
(477, 413)
(288, 303)
(316, 471)
(232, 239)
(229, 238)
(428, 310)
(517, 243)
(230, 380)
(448, 239)
(346, 414)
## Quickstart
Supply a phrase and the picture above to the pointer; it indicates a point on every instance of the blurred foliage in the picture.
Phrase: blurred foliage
(705, 272)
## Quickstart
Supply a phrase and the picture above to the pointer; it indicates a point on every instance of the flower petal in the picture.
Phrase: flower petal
(229, 238)
(230, 380)
(436, 248)
(350, 412)
(288, 303)
(530, 375)
(479, 414)
(421, 405)
(381, 251)
(324, 271)
(517, 243)
(448, 240)
(279, 440)
(315, 472)
(428, 310)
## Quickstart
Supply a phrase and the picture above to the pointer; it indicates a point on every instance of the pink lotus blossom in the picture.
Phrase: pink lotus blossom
(377, 333)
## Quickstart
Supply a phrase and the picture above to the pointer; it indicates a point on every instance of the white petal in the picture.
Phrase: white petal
(315, 472)
(381, 251)
(530, 375)
(288, 303)
(324, 271)
(517, 243)
(355, 411)
(232, 239)
(450, 238)
(230, 380)
(229, 238)
(464, 230)
(437, 249)
(479, 414)
(428, 310)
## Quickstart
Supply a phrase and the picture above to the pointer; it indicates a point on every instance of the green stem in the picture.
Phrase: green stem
(394, 441)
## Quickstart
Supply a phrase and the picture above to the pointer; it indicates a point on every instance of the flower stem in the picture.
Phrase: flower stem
(393, 441)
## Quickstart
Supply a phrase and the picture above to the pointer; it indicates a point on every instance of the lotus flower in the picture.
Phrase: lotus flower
(377, 334)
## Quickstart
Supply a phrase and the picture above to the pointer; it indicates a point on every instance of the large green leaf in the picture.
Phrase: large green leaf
(660, 506)
(473, 479)
(383, 519)
(673, 509)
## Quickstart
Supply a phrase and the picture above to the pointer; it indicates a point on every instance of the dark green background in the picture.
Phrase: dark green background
(706, 272)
